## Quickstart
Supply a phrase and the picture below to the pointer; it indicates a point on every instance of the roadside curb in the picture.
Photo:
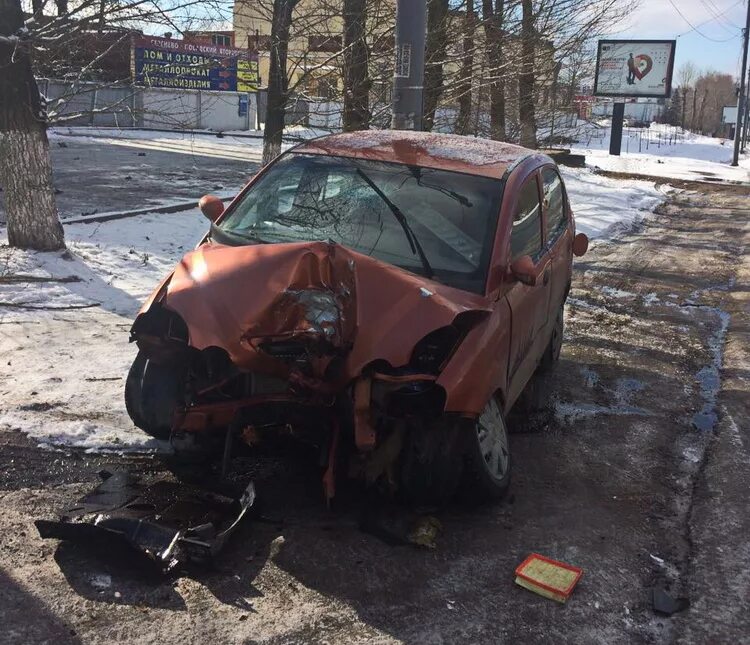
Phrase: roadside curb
(677, 183)
(167, 208)
(91, 131)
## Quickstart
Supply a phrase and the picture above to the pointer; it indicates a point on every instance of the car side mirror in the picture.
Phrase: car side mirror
(524, 271)
(580, 244)
(211, 206)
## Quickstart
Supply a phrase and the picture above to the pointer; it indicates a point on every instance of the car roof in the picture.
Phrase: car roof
(469, 155)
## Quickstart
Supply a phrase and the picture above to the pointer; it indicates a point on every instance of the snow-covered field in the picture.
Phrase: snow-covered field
(657, 152)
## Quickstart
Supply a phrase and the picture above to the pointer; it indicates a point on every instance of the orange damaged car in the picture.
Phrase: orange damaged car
(383, 295)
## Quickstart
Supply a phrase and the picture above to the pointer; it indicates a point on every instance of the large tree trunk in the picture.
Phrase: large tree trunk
(526, 77)
(25, 168)
(435, 51)
(281, 23)
(467, 72)
(356, 114)
(493, 30)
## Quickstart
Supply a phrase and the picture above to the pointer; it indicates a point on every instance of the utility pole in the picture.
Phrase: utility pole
(745, 131)
(738, 129)
(408, 75)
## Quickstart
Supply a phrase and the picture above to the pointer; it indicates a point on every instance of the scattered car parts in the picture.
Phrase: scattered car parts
(167, 522)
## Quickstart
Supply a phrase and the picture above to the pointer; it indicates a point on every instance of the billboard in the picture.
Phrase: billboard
(729, 114)
(634, 68)
(166, 62)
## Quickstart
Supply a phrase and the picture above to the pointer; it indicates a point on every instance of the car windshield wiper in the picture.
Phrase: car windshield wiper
(235, 234)
(416, 247)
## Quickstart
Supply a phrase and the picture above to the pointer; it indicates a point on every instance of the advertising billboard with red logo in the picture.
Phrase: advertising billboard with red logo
(634, 68)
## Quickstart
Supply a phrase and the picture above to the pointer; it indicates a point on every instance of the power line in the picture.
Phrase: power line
(718, 16)
(698, 31)
(705, 22)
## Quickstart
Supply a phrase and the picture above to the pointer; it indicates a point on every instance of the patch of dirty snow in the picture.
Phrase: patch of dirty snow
(590, 377)
(663, 151)
(604, 206)
(114, 264)
(91, 436)
(612, 292)
(708, 377)
(569, 412)
(64, 366)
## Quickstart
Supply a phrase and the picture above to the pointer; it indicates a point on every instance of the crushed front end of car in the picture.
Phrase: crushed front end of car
(310, 339)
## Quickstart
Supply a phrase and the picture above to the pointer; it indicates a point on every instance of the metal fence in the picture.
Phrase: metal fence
(90, 104)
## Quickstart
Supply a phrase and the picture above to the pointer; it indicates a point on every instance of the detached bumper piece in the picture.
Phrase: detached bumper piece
(167, 522)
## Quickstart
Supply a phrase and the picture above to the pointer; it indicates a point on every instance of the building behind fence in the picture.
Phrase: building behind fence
(91, 104)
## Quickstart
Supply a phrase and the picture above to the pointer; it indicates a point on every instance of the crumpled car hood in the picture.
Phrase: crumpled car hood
(237, 297)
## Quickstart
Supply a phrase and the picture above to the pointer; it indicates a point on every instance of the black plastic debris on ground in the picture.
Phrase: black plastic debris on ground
(167, 522)
(666, 604)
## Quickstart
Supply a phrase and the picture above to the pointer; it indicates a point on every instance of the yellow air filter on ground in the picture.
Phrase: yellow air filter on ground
(548, 578)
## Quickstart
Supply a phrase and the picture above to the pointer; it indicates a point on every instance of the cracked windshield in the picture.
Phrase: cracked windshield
(431, 222)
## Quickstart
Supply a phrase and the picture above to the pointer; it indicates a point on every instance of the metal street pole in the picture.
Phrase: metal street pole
(408, 76)
(745, 132)
(615, 137)
(738, 129)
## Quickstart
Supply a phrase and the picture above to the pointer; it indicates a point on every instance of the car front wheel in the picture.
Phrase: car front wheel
(152, 394)
(487, 470)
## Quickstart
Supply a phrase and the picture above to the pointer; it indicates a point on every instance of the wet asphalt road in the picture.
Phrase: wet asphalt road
(96, 175)
(633, 465)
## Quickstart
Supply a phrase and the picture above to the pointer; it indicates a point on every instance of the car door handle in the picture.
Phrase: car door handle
(545, 277)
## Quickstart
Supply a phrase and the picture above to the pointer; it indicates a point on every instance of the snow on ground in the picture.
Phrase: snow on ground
(227, 146)
(603, 206)
(663, 151)
(64, 322)
(64, 345)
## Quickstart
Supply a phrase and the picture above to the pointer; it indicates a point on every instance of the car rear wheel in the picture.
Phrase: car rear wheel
(487, 472)
(152, 394)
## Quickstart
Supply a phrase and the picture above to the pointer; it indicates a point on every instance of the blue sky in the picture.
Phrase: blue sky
(660, 19)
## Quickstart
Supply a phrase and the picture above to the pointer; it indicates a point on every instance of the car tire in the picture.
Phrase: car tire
(487, 456)
(431, 463)
(552, 352)
(152, 393)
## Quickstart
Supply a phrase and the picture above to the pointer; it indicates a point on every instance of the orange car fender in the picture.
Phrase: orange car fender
(479, 367)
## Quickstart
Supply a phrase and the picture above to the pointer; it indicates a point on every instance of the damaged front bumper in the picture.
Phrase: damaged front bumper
(168, 523)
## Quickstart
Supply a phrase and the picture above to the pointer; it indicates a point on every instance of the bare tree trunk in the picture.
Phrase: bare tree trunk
(684, 107)
(356, 114)
(467, 71)
(701, 111)
(493, 29)
(692, 113)
(25, 168)
(435, 51)
(281, 23)
(526, 77)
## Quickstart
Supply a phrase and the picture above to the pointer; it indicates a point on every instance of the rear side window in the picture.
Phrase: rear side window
(526, 236)
(554, 203)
